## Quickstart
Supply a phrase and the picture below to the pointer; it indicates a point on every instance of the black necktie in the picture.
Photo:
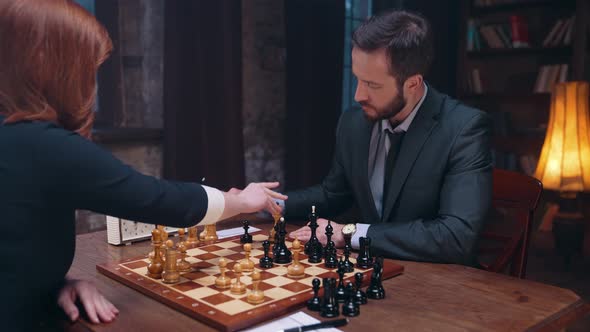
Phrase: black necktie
(395, 140)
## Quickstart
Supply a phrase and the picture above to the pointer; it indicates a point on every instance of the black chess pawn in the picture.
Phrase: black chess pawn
(266, 261)
(246, 238)
(281, 254)
(364, 259)
(348, 265)
(376, 290)
(331, 260)
(350, 308)
(341, 289)
(314, 304)
(359, 296)
(329, 307)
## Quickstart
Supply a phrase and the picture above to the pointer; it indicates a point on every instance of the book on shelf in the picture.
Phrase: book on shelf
(549, 75)
(474, 82)
(560, 33)
(520, 31)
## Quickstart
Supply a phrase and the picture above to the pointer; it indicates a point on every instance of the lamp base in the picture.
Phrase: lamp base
(568, 233)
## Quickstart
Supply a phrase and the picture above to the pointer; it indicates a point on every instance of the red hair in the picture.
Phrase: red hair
(51, 51)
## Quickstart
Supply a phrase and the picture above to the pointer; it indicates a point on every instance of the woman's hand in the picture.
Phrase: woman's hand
(98, 309)
(259, 196)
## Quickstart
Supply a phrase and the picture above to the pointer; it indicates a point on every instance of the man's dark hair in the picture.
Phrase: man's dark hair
(406, 38)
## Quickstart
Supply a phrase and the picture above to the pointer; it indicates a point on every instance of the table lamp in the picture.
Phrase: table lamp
(564, 164)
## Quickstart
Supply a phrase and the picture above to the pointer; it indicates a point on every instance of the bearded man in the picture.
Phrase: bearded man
(416, 162)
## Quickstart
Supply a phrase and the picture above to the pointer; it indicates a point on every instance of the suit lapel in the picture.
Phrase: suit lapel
(412, 144)
(366, 128)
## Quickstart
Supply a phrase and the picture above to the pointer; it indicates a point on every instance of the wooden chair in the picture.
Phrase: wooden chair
(506, 236)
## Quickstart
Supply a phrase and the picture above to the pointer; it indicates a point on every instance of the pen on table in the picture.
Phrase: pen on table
(322, 325)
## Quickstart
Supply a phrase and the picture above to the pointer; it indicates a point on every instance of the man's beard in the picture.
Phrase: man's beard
(394, 107)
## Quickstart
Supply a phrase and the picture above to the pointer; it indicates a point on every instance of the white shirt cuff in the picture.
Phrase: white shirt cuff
(361, 231)
(215, 206)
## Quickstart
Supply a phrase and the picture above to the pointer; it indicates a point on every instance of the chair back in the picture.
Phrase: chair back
(505, 240)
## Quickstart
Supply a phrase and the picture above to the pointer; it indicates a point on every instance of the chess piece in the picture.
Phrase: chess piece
(247, 264)
(281, 255)
(183, 265)
(350, 308)
(256, 296)
(155, 268)
(181, 233)
(192, 239)
(359, 296)
(211, 233)
(246, 238)
(341, 290)
(237, 287)
(329, 307)
(266, 261)
(296, 270)
(376, 290)
(164, 235)
(170, 274)
(273, 231)
(222, 281)
(330, 260)
(313, 247)
(203, 234)
(314, 304)
(364, 259)
(348, 266)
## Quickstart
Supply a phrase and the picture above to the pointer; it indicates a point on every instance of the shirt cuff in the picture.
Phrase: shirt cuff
(215, 206)
(361, 231)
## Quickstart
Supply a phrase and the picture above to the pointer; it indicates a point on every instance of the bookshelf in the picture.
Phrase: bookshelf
(511, 52)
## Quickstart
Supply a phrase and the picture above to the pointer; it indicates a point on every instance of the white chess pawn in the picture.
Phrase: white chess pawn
(256, 296)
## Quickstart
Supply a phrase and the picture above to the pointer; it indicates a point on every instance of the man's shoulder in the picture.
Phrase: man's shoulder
(455, 112)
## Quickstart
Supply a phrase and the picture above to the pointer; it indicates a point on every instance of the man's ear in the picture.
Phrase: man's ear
(413, 82)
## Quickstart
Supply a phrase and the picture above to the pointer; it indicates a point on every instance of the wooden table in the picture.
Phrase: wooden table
(427, 297)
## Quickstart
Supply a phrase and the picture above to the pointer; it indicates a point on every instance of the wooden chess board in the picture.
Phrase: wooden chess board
(197, 296)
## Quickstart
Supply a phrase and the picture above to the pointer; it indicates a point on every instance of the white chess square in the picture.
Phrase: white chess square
(314, 270)
(206, 281)
(278, 281)
(201, 292)
(234, 307)
(224, 252)
(259, 238)
(229, 244)
(278, 270)
(278, 293)
(195, 252)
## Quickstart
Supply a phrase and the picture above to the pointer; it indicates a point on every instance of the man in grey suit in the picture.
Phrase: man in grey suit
(416, 162)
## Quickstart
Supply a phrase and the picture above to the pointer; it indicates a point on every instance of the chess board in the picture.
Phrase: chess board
(197, 296)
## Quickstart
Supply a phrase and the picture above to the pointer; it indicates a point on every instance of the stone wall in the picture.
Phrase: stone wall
(141, 29)
(141, 46)
(263, 75)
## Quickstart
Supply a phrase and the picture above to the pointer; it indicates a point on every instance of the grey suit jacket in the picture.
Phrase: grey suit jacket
(440, 190)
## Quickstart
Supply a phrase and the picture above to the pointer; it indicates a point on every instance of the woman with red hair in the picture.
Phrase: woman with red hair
(50, 54)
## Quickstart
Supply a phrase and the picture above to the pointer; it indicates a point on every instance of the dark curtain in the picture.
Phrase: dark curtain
(315, 42)
(203, 92)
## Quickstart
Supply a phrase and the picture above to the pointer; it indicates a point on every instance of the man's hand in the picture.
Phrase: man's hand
(304, 233)
(98, 309)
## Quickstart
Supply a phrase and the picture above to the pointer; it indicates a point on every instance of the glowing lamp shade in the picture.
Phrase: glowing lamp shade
(564, 164)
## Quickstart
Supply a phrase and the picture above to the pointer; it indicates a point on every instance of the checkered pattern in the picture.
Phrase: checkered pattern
(199, 284)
